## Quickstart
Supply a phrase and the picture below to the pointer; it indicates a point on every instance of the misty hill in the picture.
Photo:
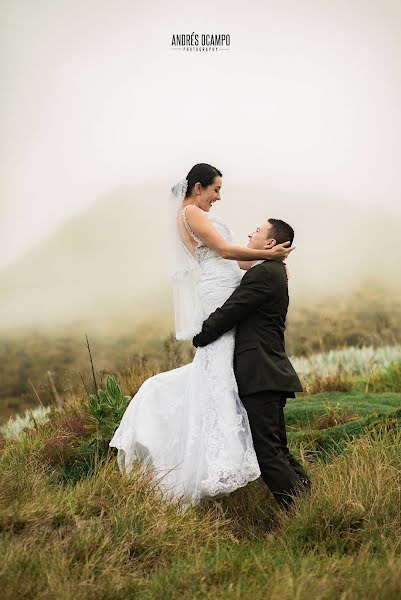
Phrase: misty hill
(110, 263)
(91, 267)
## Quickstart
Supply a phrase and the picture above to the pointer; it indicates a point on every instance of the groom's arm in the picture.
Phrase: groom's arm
(250, 294)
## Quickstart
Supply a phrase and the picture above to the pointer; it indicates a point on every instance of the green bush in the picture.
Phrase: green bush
(106, 409)
(388, 380)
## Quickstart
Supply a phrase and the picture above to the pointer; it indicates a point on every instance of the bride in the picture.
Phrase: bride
(188, 424)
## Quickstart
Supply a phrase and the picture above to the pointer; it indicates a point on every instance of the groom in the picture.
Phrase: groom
(265, 376)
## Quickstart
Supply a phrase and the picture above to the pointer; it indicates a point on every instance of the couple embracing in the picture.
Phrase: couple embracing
(212, 426)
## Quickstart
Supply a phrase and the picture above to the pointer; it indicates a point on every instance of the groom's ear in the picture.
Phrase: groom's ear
(270, 243)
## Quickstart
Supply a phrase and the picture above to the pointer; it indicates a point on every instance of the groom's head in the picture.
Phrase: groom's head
(272, 232)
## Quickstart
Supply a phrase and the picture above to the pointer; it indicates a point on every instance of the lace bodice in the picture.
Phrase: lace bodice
(202, 251)
(219, 276)
(188, 227)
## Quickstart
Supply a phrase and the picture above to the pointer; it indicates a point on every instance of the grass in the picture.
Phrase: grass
(303, 411)
(71, 526)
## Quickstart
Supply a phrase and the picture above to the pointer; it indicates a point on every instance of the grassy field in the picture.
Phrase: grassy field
(71, 526)
(357, 332)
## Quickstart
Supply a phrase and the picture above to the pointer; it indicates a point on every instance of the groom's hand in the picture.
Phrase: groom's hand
(198, 341)
(195, 341)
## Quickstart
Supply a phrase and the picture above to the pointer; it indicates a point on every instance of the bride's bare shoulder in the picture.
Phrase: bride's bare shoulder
(192, 209)
(194, 214)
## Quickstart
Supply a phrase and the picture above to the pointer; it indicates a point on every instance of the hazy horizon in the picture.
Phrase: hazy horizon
(305, 101)
(111, 261)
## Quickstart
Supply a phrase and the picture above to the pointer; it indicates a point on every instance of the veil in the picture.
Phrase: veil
(184, 273)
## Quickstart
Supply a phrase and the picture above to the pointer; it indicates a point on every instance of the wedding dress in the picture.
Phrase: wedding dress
(188, 424)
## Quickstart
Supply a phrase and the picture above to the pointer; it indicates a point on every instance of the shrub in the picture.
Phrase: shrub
(59, 450)
(337, 382)
(388, 380)
(105, 410)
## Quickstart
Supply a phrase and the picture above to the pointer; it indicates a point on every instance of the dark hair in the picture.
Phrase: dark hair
(203, 173)
(281, 231)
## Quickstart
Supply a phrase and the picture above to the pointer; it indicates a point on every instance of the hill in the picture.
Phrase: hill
(109, 264)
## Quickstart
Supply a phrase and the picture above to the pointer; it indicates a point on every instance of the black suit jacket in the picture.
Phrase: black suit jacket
(258, 307)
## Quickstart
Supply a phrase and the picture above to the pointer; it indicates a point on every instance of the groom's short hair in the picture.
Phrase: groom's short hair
(281, 231)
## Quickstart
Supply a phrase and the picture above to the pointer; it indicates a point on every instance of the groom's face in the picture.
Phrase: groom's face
(261, 237)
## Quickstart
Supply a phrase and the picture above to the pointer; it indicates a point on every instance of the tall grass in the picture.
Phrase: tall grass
(104, 535)
(71, 526)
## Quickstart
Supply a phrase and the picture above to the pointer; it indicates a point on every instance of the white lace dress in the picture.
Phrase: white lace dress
(189, 424)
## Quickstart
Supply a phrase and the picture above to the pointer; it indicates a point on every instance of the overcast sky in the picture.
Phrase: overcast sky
(306, 99)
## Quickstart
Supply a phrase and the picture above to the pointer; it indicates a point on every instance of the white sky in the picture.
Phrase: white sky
(306, 100)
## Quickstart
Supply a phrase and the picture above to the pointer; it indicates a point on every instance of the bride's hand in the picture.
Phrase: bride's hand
(279, 251)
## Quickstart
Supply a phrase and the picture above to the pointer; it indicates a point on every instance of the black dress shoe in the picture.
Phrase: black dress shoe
(306, 483)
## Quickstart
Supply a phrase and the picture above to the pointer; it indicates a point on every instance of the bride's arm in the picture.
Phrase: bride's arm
(203, 228)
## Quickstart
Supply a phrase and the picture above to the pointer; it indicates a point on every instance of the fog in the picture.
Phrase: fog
(109, 264)
(301, 114)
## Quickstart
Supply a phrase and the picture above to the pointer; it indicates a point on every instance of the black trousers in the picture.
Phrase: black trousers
(282, 473)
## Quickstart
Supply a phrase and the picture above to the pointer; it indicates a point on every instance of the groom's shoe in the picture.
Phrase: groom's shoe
(303, 488)
(306, 483)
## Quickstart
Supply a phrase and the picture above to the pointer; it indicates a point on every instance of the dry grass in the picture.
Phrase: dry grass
(114, 537)
(338, 382)
(333, 418)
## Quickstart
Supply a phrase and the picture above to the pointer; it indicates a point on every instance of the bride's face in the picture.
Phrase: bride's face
(206, 197)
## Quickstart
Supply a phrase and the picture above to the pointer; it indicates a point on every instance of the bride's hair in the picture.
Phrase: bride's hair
(203, 173)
